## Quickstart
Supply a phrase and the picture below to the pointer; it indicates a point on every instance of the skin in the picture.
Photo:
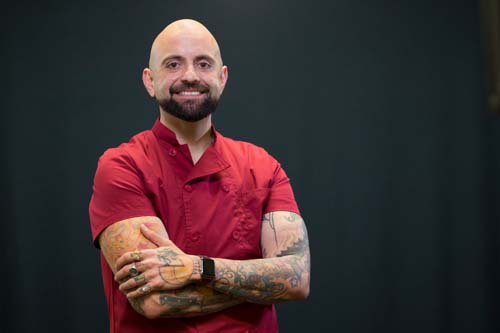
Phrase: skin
(283, 274)
(125, 236)
(122, 239)
(185, 52)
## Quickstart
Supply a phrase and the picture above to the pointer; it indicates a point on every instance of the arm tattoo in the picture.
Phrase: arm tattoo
(194, 300)
(125, 235)
(270, 219)
(274, 278)
(301, 245)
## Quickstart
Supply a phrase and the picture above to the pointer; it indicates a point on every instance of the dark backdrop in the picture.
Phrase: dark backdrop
(376, 109)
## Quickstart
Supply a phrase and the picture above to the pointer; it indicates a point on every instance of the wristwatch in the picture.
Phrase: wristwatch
(207, 268)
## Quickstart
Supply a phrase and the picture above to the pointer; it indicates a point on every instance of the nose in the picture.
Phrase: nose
(190, 75)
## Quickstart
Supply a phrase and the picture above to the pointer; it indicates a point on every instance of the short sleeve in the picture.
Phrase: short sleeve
(281, 197)
(118, 192)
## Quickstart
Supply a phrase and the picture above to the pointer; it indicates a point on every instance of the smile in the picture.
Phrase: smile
(190, 93)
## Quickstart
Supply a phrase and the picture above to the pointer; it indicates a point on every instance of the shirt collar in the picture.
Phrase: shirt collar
(212, 161)
(164, 133)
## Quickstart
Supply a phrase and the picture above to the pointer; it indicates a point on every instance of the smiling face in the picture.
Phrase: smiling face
(185, 73)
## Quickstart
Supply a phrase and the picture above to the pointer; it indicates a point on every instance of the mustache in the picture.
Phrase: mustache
(183, 86)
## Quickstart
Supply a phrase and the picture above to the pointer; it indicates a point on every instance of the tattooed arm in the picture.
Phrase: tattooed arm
(283, 274)
(190, 300)
(124, 236)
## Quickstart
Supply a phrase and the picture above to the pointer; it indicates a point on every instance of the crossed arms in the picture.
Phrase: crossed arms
(168, 281)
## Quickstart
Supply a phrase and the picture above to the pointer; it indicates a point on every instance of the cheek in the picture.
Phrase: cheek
(163, 88)
(215, 86)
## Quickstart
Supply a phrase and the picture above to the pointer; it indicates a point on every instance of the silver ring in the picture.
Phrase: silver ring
(145, 289)
(133, 270)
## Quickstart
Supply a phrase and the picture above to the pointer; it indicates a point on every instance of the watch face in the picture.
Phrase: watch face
(208, 268)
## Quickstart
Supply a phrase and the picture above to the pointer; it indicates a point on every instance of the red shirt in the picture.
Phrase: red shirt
(213, 208)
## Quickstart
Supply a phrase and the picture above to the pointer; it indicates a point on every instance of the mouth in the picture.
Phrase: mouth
(189, 94)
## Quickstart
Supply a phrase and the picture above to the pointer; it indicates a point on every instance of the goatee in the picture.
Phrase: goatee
(190, 110)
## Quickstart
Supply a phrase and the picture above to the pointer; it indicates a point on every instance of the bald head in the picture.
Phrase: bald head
(185, 75)
(178, 35)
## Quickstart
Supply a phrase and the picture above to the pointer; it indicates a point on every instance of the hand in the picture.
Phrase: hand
(163, 268)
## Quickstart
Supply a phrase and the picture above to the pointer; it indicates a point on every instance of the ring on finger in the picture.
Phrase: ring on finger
(145, 289)
(133, 270)
(136, 255)
(140, 278)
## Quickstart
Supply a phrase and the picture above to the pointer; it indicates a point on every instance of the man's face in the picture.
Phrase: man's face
(187, 75)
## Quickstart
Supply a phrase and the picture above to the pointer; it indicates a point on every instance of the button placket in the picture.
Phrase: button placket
(195, 236)
(236, 234)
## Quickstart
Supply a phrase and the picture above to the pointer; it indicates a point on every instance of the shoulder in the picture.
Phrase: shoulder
(137, 148)
(245, 150)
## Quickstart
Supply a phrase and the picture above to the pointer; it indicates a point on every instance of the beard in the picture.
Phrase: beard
(189, 110)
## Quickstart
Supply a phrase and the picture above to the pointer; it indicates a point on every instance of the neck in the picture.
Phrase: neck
(188, 132)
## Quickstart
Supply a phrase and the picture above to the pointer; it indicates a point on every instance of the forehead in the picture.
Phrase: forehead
(186, 44)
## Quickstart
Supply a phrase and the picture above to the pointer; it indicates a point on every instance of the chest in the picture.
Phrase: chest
(211, 208)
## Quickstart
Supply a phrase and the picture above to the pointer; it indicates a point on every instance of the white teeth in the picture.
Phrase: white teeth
(190, 93)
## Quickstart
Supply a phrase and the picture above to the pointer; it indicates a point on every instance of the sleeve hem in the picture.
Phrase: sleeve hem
(282, 208)
(116, 218)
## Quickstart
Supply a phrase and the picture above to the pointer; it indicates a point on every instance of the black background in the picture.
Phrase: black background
(376, 110)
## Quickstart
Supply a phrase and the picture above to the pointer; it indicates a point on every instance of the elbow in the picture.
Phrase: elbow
(306, 292)
(151, 313)
(302, 293)
(146, 307)
(152, 308)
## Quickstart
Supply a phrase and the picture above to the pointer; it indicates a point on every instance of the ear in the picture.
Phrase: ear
(147, 79)
(223, 77)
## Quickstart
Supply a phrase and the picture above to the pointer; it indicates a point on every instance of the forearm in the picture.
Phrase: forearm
(264, 281)
(192, 300)
(283, 274)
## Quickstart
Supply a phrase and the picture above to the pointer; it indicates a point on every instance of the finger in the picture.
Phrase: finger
(129, 257)
(154, 237)
(142, 291)
(134, 282)
(131, 270)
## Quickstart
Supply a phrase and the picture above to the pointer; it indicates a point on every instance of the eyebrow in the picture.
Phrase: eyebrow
(197, 58)
(172, 57)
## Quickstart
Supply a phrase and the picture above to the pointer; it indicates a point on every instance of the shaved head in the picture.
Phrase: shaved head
(178, 30)
(186, 74)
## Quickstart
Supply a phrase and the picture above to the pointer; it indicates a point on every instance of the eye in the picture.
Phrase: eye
(205, 64)
(173, 65)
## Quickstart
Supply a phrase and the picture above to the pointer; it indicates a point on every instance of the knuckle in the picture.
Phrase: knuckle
(145, 264)
(154, 284)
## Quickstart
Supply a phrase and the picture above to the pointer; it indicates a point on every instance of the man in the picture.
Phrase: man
(198, 232)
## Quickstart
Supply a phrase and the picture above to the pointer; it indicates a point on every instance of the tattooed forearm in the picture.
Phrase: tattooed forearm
(263, 280)
(285, 272)
(194, 301)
